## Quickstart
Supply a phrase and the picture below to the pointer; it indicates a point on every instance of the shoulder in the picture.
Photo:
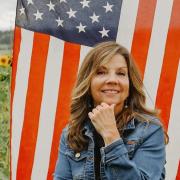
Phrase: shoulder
(65, 129)
(149, 121)
(64, 134)
(151, 125)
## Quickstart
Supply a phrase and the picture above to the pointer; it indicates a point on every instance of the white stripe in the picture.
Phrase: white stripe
(127, 23)
(48, 109)
(173, 148)
(156, 49)
(20, 91)
(83, 53)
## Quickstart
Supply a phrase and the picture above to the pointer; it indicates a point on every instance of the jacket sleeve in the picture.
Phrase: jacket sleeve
(146, 164)
(62, 170)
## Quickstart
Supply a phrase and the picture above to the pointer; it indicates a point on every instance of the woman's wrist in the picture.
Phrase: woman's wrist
(110, 136)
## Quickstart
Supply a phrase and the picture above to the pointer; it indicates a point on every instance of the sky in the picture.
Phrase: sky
(7, 14)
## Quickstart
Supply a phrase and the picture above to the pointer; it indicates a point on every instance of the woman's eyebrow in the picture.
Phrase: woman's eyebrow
(120, 68)
(102, 67)
(117, 69)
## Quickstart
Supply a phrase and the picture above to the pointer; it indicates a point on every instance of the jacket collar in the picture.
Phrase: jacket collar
(88, 127)
(130, 125)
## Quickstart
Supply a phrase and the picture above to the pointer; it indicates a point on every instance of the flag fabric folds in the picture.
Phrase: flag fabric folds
(51, 39)
(84, 22)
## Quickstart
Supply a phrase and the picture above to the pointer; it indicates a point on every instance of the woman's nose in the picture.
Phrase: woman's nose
(112, 78)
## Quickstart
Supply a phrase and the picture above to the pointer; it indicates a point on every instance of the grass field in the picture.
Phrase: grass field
(5, 75)
(6, 44)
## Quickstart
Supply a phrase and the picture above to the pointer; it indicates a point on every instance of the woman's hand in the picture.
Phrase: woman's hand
(104, 121)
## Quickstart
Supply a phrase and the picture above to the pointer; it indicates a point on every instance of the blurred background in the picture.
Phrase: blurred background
(7, 19)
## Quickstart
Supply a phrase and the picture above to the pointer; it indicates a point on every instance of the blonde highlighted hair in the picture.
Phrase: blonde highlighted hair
(99, 55)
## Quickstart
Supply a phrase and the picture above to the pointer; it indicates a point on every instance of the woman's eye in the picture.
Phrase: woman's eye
(121, 73)
(100, 72)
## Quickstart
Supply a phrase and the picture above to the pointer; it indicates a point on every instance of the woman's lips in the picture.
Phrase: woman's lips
(110, 91)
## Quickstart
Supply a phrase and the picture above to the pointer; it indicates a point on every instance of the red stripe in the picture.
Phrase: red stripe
(68, 76)
(33, 105)
(16, 49)
(142, 34)
(178, 172)
(170, 65)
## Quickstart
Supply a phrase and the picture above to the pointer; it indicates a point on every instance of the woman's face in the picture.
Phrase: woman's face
(110, 84)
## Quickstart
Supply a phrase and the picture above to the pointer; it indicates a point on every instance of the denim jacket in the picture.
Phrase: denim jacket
(139, 155)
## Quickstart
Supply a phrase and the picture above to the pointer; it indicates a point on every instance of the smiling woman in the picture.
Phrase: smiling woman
(110, 84)
(111, 133)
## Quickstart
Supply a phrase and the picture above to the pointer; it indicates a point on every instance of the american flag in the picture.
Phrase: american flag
(51, 39)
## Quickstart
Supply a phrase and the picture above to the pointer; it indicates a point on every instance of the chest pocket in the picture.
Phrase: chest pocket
(77, 162)
(131, 146)
(76, 156)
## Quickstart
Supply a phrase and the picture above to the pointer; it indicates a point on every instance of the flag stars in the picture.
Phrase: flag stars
(38, 15)
(22, 11)
(81, 28)
(71, 13)
(60, 22)
(94, 18)
(85, 3)
(29, 2)
(51, 6)
(62, 1)
(104, 33)
(108, 7)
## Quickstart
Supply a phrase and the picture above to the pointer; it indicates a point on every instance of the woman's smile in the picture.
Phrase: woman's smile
(110, 91)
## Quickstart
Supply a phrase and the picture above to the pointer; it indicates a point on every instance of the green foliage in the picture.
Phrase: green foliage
(6, 37)
(6, 42)
(5, 75)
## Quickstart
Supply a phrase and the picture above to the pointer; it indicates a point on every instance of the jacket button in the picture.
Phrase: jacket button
(77, 155)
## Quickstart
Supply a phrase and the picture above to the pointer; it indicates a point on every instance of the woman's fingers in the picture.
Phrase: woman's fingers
(102, 108)
(99, 107)
(90, 114)
(95, 111)
(104, 105)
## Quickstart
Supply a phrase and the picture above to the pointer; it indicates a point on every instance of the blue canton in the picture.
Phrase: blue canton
(84, 22)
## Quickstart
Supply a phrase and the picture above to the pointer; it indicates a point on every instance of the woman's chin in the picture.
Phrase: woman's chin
(109, 102)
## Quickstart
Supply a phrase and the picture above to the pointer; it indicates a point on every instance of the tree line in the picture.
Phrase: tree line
(6, 37)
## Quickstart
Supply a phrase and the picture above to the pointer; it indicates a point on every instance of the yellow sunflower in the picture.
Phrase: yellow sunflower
(5, 60)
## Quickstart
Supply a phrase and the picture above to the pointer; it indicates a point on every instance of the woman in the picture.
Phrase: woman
(111, 133)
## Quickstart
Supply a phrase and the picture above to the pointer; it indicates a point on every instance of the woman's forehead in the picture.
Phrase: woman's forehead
(115, 61)
(116, 67)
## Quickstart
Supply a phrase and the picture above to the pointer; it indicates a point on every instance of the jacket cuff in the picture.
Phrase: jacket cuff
(113, 151)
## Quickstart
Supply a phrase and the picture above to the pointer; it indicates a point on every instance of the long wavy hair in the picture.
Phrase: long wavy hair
(81, 94)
